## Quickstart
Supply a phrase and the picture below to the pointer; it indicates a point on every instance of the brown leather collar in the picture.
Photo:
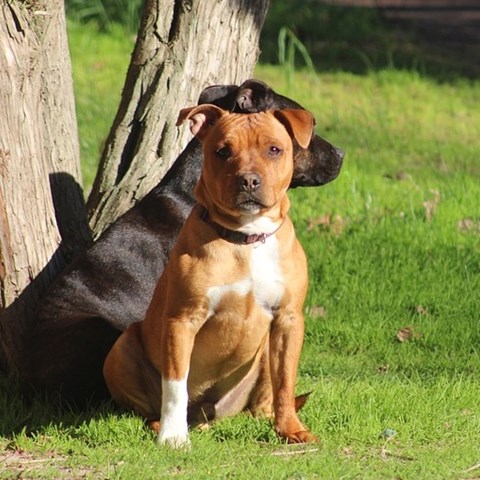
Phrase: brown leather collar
(233, 236)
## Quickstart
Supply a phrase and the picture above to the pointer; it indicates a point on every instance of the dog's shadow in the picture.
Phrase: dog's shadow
(70, 213)
(25, 412)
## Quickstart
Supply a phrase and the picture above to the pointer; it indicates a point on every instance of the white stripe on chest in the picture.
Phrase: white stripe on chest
(268, 283)
(265, 279)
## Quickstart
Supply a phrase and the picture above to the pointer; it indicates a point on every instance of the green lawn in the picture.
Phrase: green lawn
(393, 330)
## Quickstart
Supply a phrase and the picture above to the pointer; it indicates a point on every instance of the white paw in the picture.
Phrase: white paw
(175, 439)
(173, 419)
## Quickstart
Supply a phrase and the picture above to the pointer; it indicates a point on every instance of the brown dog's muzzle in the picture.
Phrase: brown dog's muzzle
(251, 193)
(249, 182)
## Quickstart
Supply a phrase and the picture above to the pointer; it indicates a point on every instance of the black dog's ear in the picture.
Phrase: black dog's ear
(253, 96)
(222, 96)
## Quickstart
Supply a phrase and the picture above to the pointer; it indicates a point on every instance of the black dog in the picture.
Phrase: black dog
(110, 286)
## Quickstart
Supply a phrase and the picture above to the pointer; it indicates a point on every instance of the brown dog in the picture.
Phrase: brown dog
(227, 334)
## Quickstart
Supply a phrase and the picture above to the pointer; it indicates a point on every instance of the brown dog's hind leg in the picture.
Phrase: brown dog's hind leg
(132, 380)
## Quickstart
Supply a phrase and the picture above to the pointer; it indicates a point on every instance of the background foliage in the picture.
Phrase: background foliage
(106, 13)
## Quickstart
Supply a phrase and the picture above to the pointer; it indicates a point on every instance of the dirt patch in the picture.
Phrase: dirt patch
(15, 463)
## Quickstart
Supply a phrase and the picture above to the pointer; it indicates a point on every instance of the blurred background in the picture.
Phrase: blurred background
(436, 35)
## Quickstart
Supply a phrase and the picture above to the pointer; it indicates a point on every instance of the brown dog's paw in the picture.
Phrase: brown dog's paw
(303, 436)
(291, 429)
(153, 425)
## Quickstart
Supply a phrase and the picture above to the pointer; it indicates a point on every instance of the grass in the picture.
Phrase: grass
(100, 62)
(393, 331)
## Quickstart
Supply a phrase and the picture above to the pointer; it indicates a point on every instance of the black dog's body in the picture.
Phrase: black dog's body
(110, 286)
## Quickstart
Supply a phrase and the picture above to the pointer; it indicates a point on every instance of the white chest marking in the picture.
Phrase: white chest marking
(265, 280)
(215, 294)
(259, 225)
(269, 285)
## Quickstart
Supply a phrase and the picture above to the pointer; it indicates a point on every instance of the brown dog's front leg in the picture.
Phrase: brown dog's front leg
(178, 337)
(286, 338)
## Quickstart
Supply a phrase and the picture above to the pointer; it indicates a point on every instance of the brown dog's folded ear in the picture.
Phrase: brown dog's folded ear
(299, 124)
(201, 118)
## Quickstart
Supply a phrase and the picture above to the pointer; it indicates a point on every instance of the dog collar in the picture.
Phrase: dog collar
(234, 236)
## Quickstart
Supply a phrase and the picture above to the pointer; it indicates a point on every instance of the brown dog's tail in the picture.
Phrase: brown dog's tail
(301, 400)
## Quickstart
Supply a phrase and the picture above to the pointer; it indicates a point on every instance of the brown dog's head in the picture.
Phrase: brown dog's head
(315, 164)
(248, 159)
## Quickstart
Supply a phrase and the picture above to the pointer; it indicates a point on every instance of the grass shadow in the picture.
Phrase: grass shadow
(32, 413)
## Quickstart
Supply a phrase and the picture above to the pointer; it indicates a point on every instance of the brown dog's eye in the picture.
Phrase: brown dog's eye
(274, 151)
(223, 152)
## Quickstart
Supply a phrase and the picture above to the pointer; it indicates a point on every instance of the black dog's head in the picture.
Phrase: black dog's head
(315, 165)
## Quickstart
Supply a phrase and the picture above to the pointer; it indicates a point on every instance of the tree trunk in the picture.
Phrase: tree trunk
(42, 216)
(182, 46)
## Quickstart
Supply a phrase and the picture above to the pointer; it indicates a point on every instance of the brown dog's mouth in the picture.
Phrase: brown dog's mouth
(250, 206)
(249, 203)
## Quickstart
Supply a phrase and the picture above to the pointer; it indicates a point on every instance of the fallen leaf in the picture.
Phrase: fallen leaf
(397, 176)
(322, 220)
(431, 205)
(407, 333)
(404, 334)
(421, 310)
(468, 225)
(347, 451)
(336, 224)
(383, 368)
(317, 311)
(465, 224)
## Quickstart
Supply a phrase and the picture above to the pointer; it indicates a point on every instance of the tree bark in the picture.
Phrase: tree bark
(182, 46)
(42, 216)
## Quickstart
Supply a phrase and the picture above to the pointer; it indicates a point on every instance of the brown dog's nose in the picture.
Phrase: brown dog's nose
(249, 182)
